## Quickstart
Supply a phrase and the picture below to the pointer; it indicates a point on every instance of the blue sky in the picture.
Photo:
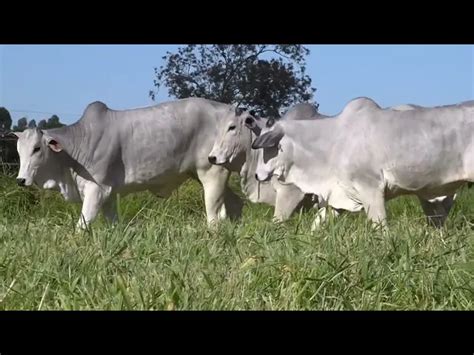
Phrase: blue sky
(63, 79)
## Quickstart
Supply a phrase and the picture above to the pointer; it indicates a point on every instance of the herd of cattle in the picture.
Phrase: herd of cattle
(353, 161)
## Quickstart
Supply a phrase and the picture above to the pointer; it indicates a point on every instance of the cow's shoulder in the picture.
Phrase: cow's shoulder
(96, 107)
(95, 111)
(300, 111)
(360, 104)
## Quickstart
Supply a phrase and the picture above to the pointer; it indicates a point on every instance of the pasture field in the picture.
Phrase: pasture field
(162, 256)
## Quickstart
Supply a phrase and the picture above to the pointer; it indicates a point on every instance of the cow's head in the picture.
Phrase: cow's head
(232, 137)
(37, 152)
(271, 162)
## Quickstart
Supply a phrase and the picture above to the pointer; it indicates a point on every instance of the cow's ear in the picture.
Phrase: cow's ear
(15, 134)
(251, 123)
(240, 110)
(54, 145)
(269, 139)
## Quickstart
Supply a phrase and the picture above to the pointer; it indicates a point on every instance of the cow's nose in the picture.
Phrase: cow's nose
(212, 159)
(263, 180)
(21, 182)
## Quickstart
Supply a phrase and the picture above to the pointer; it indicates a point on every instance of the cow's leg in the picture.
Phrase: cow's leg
(94, 197)
(437, 211)
(109, 209)
(214, 182)
(233, 204)
(448, 202)
(374, 205)
(321, 217)
(287, 199)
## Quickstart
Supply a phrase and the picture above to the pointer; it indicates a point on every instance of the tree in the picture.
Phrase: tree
(42, 124)
(21, 125)
(5, 119)
(238, 74)
(53, 122)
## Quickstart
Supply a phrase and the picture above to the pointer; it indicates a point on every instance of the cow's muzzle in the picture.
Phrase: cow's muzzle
(212, 159)
(263, 180)
(21, 182)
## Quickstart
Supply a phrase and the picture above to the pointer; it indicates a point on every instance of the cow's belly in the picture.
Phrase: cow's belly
(162, 185)
(425, 184)
(426, 193)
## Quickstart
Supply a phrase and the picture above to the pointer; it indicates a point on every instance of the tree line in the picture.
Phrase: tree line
(23, 123)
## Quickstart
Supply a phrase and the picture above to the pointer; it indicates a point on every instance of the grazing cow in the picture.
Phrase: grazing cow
(368, 155)
(107, 152)
(233, 144)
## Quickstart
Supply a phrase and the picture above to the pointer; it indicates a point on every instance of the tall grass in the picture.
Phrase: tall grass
(161, 255)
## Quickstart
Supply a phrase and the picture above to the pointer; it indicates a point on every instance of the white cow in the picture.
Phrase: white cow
(368, 155)
(108, 152)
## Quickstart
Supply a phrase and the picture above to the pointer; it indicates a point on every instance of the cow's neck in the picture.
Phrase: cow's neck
(247, 171)
(73, 138)
(253, 189)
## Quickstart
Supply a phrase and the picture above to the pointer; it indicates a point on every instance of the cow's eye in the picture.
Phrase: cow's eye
(36, 150)
(231, 128)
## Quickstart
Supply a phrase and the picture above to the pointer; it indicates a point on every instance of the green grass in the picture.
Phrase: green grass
(162, 256)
